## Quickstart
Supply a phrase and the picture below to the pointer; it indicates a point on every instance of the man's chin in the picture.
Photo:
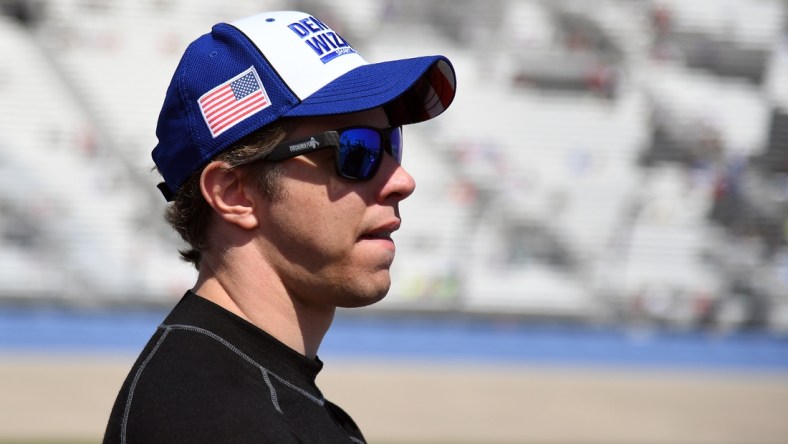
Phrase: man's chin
(365, 299)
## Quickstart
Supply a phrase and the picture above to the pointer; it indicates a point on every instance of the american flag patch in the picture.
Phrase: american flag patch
(233, 101)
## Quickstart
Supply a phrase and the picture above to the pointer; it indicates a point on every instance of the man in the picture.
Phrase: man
(280, 150)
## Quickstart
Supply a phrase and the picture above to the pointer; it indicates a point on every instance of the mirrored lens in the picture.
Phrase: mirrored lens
(359, 149)
(396, 144)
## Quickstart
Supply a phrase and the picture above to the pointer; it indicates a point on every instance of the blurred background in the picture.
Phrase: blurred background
(597, 250)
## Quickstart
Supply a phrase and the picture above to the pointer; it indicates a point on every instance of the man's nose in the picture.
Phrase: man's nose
(398, 183)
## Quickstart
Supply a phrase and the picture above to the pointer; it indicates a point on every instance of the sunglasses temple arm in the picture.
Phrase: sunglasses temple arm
(303, 146)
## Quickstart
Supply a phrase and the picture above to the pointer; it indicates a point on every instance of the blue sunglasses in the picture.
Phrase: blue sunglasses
(358, 149)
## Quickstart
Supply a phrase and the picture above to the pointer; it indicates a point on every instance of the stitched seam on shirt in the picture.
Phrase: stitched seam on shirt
(319, 401)
(133, 386)
(274, 399)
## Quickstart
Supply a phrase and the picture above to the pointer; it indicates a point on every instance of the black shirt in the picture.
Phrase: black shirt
(209, 376)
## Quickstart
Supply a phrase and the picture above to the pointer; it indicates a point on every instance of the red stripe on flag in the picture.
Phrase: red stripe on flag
(220, 108)
(240, 112)
(220, 117)
(208, 100)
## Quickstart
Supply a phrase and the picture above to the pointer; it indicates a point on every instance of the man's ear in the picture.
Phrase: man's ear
(225, 191)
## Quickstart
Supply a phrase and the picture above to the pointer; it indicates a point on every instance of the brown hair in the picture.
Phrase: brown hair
(189, 213)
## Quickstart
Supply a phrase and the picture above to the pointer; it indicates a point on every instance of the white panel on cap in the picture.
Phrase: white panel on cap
(290, 54)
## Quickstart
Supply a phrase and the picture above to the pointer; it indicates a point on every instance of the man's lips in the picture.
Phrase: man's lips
(380, 235)
(382, 232)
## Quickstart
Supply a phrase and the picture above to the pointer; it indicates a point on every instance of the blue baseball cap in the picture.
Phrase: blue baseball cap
(247, 74)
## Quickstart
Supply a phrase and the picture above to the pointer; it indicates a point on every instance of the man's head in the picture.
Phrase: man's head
(251, 73)
(244, 89)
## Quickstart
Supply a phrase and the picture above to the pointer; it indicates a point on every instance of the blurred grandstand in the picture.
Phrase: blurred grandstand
(605, 160)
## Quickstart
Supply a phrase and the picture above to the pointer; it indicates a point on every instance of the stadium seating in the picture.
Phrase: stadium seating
(543, 191)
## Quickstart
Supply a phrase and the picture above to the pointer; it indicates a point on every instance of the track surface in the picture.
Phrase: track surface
(437, 380)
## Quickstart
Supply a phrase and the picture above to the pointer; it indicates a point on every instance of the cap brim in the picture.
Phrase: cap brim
(411, 90)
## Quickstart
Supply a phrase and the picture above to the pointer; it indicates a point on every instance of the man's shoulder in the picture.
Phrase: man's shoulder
(189, 360)
(187, 386)
(201, 424)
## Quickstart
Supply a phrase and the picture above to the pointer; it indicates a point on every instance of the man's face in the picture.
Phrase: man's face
(328, 238)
